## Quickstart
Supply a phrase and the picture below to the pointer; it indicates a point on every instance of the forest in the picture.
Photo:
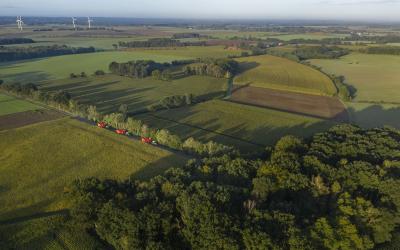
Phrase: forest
(386, 50)
(8, 41)
(22, 53)
(159, 42)
(338, 190)
(320, 52)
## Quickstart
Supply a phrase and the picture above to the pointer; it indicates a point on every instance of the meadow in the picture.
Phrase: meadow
(10, 105)
(247, 127)
(376, 77)
(283, 74)
(39, 160)
(60, 67)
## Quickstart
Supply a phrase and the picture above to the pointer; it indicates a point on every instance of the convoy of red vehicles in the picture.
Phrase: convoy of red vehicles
(147, 140)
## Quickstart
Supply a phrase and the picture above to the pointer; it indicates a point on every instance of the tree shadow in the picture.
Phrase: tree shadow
(245, 66)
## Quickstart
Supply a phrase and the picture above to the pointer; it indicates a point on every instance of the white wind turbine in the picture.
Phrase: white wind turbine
(89, 22)
(20, 23)
(73, 22)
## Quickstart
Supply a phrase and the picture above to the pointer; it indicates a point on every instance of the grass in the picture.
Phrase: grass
(376, 77)
(369, 115)
(45, 233)
(10, 105)
(279, 73)
(60, 67)
(38, 161)
(247, 127)
(110, 91)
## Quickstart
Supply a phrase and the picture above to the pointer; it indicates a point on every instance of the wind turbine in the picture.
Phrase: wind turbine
(20, 23)
(73, 22)
(89, 22)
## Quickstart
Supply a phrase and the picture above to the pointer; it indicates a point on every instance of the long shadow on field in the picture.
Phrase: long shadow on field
(102, 95)
(245, 66)
(159, 167)
(376, 115)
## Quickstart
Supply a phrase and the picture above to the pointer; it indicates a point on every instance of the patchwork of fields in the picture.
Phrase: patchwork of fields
(60, 67)
(376, 77)
(280, 73)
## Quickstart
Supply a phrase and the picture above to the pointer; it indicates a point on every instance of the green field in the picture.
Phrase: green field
(247, 124)
(61, 66)
(280, 73)
(38, 161)
(10, 105)
(110, 91)
(376, 77)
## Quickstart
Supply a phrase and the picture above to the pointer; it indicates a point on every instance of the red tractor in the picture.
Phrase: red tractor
(102, 125)
(121, 131)
(147, 140)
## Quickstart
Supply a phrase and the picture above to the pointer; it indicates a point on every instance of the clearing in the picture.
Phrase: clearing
(279, 73)
(376, 77)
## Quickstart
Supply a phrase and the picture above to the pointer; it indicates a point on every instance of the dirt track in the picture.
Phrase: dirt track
(21, 119)
(311, 105)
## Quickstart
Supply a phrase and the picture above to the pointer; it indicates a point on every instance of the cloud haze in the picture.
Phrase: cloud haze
(383, 10)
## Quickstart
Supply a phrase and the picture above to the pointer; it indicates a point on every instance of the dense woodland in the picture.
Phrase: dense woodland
(219, 68)
(159, 42)
(387, 50)
(8, 41)
(338, 190)
(22, 53)
(320, 52)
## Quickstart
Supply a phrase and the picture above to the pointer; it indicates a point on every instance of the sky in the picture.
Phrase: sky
(363, 10)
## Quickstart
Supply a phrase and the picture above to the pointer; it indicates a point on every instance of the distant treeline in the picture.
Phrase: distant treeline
(219, 68)
(22, 53)
(186, 35)
(320, 52)
(159, 42)
(7, 41)
(387, 50)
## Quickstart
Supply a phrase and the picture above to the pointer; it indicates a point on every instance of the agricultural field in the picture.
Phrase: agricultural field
(224, 121)
(313, 105)
(60, 67)
(37, 164)
(376, 77)
(10, 105)
(110, 91)
(282, 74)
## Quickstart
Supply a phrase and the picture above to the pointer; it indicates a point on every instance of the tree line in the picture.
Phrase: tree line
(8, 41)
(337, 190)
(385, 50)
(159, 42)
(22, 53)
(219, 68)
(63, 100)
